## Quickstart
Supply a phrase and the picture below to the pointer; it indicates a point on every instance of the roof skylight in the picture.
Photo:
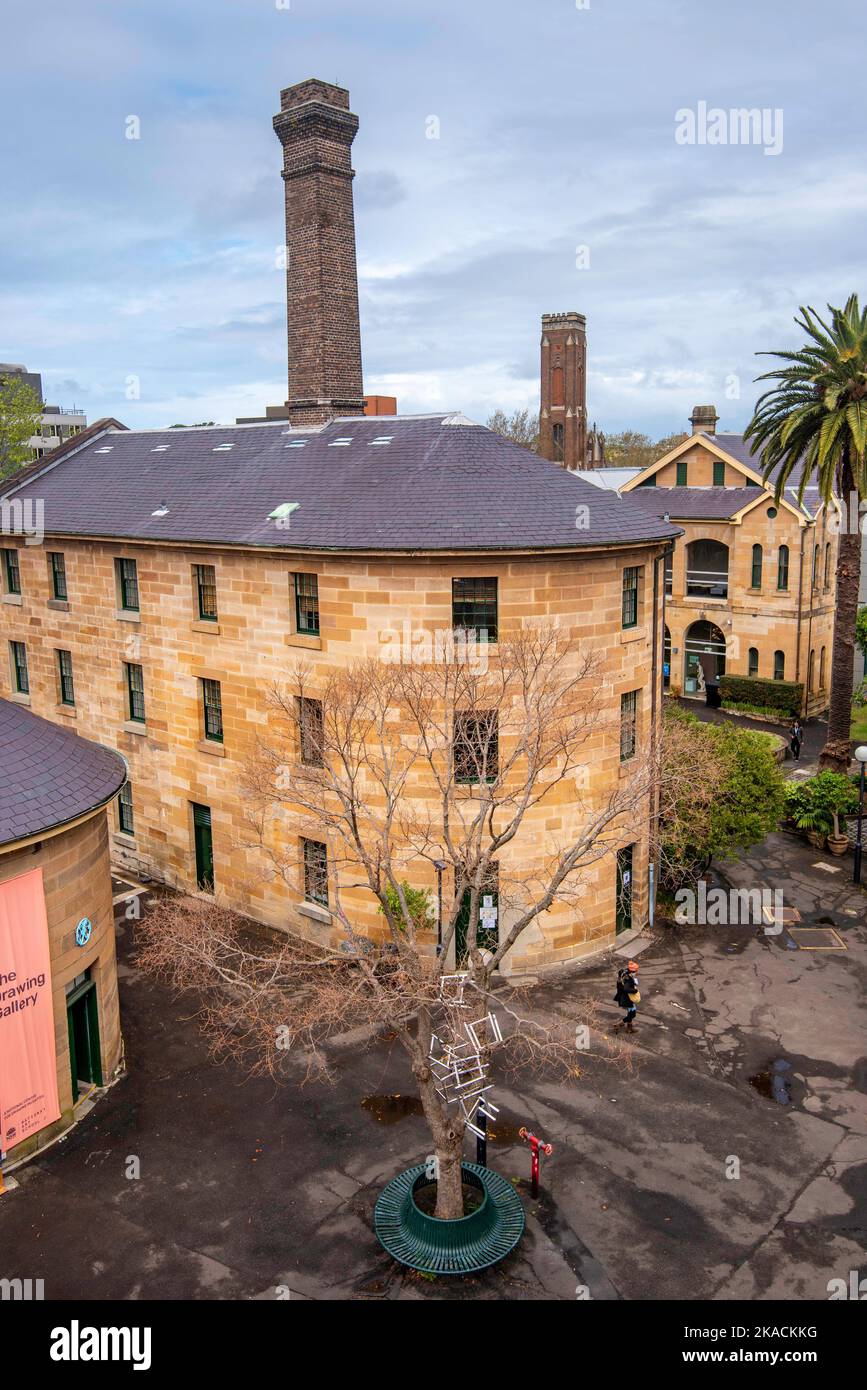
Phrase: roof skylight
(340, 443)
(383, 439)
(218, 448)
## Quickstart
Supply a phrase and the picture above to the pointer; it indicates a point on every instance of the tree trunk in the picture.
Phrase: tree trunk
(837, 752)
(447, 1132)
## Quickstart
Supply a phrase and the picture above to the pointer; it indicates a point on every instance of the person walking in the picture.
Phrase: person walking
(627, 995)
(796, 738)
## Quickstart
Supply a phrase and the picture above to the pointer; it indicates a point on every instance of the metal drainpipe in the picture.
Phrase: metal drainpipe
(800, 609)
(658, 620)
(809, 635)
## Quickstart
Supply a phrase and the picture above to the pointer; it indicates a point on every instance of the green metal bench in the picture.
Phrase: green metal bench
(463, 1246)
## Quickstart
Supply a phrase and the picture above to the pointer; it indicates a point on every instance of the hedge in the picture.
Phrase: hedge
(785, 696)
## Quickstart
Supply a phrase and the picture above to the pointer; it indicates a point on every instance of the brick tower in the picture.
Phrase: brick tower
(316, 129)
(563, 413)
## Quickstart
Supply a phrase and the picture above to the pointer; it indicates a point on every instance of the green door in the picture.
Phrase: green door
(487, 936)
(204, 848)
(82, 1018)
(624, 889)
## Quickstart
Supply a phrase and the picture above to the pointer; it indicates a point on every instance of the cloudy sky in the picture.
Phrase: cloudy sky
(154, 258)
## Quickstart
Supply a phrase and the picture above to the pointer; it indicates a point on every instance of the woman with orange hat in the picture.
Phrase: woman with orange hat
(627, 995)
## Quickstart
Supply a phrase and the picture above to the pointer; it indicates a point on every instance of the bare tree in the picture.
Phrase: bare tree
(400, 766)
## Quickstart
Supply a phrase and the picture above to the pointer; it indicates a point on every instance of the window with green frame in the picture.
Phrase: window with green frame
(315, 871)
(212, 709)
(64, 670)
(135, 693)
(57, 561)
(682, 473)
(127, 583)
(648, 482)
(628, 724)
(206, 592)
(783, 567)
(20, 673)
(307, 604)
(474, 608)
(629, 600)
(779, 666)
(756, 572)
(125, 816)
(719, 473)
(311, 731)
(476, 747)
(11, 571)
(753, 661)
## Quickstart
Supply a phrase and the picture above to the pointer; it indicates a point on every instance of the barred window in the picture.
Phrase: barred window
(315, 871)
(476, 747)
(125, 818)
(628, 724)
(13, 574)
(135, 693)
(311, 729)
(19, 668)
(58, 574)
(307, 604)
(206, 592)
(127, 580)
(474, 608)
(629, 607)
(67, 687)
(756, 575)
(783, 568)
(212, 706)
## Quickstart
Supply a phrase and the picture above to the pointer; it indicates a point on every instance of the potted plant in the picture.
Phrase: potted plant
(816, 808)
(839, 799)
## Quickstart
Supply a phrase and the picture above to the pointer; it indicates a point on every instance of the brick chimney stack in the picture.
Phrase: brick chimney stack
(316, 129)
(563, 413)
(704, 419)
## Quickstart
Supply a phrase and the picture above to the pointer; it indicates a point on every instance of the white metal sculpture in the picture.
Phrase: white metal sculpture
(459, 1065)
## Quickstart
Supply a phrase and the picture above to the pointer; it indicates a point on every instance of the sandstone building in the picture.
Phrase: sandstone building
(751, 582)
(54, 830)
(184, 571)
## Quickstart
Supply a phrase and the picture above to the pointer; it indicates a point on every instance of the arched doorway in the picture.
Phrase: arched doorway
(704, 656)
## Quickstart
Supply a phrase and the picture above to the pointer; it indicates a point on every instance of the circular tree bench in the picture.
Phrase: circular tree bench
(463, 1246)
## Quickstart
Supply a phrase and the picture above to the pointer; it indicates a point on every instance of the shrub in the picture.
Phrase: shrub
(418, 904)
(786, 697)
(819, 802)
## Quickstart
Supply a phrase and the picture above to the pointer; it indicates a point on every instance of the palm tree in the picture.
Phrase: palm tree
(813, 424)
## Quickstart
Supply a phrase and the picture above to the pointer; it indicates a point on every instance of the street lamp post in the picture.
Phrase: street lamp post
(861, 756)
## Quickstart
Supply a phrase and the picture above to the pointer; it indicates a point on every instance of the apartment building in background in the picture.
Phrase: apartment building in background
(57, 423)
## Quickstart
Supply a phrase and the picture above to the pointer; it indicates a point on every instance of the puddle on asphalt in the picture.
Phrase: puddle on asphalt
(388, 1110)
(775, 1083)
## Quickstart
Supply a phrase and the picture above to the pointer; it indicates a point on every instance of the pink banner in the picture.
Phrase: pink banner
(28, 1062)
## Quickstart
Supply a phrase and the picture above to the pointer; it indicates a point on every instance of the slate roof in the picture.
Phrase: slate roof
(442, 483)
(737, 446)
(698, 503)
(50, 775)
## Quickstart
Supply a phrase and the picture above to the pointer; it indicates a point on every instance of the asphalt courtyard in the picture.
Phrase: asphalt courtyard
(729, 1161)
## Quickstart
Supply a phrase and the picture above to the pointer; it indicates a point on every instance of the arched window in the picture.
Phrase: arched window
(707, 569)
(822, 669)
(783, 568)
(756, 581)
(779, 666)
(557, 443)
(828, 565)
(753, 661)
(811, 672)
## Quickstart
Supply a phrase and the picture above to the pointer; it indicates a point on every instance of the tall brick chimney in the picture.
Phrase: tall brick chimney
(563, 413)
(316, 129)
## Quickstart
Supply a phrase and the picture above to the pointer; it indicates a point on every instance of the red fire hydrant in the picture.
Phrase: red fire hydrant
(535, 1145)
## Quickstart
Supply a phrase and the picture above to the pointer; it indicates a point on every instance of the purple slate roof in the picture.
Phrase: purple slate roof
(739, 449)
(698, 503)
(49, 774)
(442, 483)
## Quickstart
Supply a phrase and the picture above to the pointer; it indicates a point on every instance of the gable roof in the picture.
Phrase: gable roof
(51, 776)
(733, 448)
(700, 503)
(438, 483)
(69, 446)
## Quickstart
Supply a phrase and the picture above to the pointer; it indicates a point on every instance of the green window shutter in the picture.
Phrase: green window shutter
(719, 473)
(682, 473)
